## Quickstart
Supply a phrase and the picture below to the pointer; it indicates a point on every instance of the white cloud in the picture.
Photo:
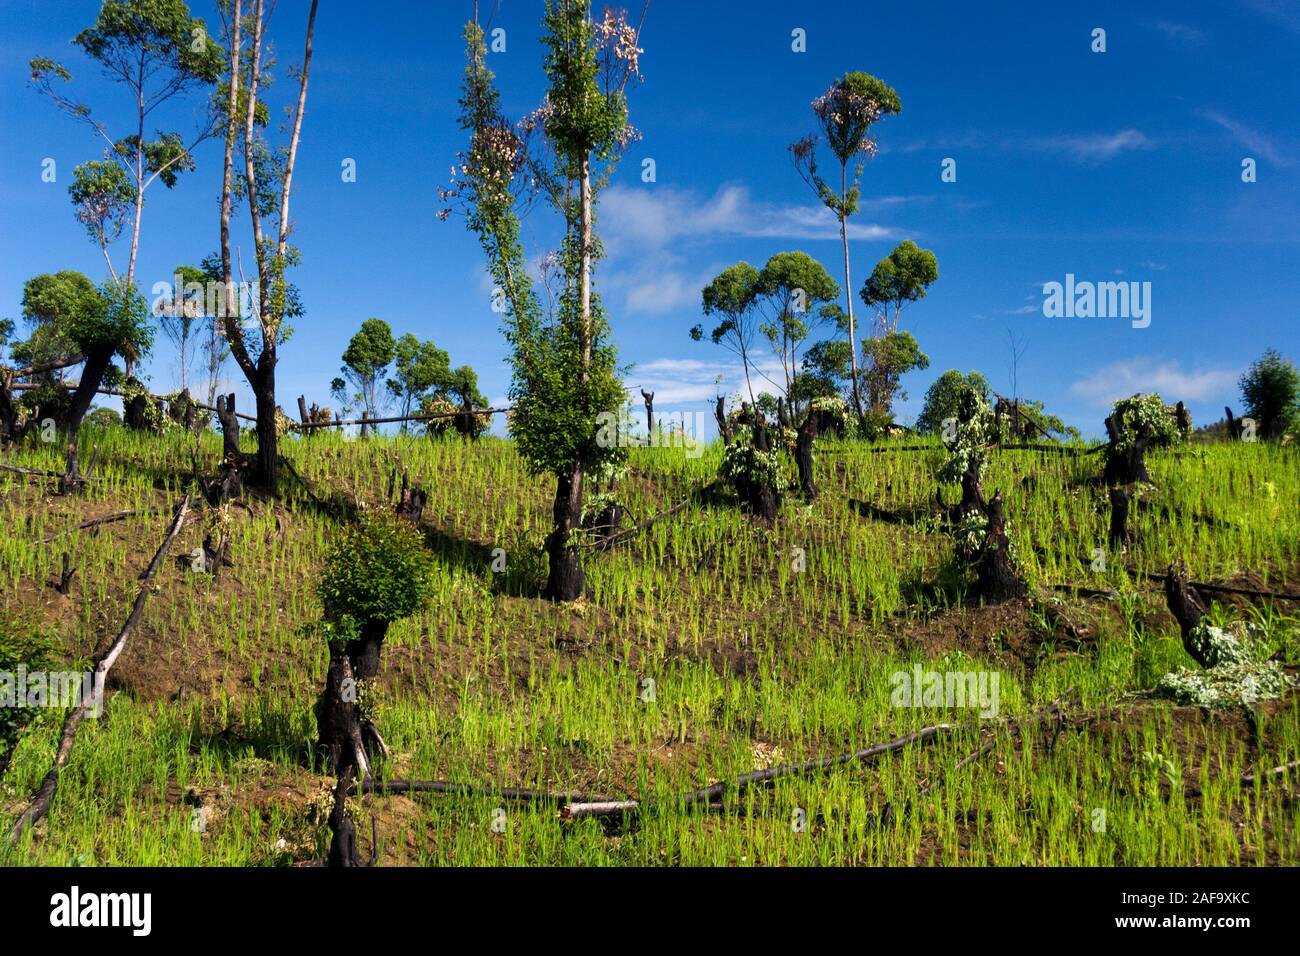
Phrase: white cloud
(655, 216)
(688, 382)
(1250, 138)
(1122, 379)
(1094, 147)
(1180, 33)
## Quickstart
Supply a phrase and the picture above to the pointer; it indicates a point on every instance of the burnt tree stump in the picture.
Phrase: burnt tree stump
(724, 426)
(1120, 536)
(996, 577)
(803, 454)
(1185, 605)
(649, 398)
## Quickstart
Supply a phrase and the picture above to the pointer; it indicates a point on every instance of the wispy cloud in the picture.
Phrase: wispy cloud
(1130, 376)
(646, 230)
(657, 215)
(1283, 12)
(1251, 138)
(1180, 33)
(687, 382)
(1093, 147)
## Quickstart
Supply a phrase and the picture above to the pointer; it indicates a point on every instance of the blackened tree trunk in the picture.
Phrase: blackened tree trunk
(1126, 466)
(724, 426)
(565, 580)
(410, 502)
(997, 579)
(267, 468)
(92, 376)
(804, 455)
(649, 398)
(346, 736)
(760, 497)
(1120, 536)
(1186, 606)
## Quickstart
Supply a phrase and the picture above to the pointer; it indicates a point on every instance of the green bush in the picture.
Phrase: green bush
(25, 642)
(378, 570)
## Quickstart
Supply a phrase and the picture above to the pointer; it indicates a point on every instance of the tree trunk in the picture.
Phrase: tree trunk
(804, 455)
(848, 295)
(565, 579)
(997, 580)
(724, 426)
(268, 459)
(92, 376)
(649, 413)
(1120, 536)
(1185, 605)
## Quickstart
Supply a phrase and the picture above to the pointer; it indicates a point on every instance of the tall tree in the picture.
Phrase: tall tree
(845, 113)
(903, 276)
(365, 362)
(157, 51)
(793, 294)
(181, 314)
(732, 295)
(265, 185)
(564, 374)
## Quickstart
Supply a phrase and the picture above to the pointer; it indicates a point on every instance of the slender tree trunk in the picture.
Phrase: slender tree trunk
(268, 461)
(848, 291)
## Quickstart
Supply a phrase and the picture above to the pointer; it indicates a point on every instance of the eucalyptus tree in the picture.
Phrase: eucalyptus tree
(157, 51)
(732, 296)
(265, 186)
(794, 295)
(564, 373)
(845, 114)
(365, 364)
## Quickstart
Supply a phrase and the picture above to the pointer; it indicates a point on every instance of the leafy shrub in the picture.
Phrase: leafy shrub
(744, 466)
(1149, 416)
(378, 570)
(975, 429)
(24, 642)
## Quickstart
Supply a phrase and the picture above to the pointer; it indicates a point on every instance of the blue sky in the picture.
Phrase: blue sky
(1116, 166)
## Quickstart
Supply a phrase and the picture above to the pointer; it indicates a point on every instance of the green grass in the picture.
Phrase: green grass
(493, 685)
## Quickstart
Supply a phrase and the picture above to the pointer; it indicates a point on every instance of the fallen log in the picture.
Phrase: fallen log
(40, 803)
(517, 794)
(707, 795)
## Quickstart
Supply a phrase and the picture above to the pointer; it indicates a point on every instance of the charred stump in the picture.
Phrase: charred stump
(724, 426)
(410, 501)
(1186, 606)
(1120, 536)
(996, 577)
(760, 497)
(566, 580)
(803, 454)
(649, 398)
(229, 480)
(73, 481)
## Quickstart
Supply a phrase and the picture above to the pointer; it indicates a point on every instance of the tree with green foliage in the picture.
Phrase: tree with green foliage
(903, 276)
(180, 314)
(825, 371)
(377, 572)
(887, 359)
(157, 51)
(564, 367)
(419, 369)
(265, 185)
(845, 114)
(72, 317)
(943, 396)
(794, 295)
(732, 296)
(1135, 426)
(365, 362)
(1271, 390)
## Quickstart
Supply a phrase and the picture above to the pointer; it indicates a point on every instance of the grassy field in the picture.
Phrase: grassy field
(710, 646)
